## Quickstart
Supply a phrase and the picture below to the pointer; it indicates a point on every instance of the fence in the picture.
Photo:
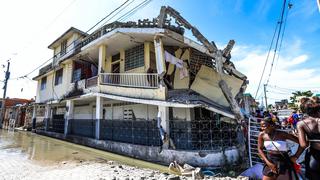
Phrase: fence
(203, 134)
(56, 124)
(83, 127)
(141, 132)
(144, 80)
(253, 133)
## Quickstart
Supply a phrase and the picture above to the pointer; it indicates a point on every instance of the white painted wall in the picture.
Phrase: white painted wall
(83, 112)
(53, 91)
(179, 113)
(141, 111)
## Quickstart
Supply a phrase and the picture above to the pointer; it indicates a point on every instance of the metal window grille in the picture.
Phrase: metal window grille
(56, 124)
(141, 132)
(203, 134)
(134, 57)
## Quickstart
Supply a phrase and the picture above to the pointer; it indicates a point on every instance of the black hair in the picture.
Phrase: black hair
(269, 121)
(310, 106)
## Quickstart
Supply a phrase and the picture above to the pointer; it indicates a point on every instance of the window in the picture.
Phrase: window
(134, 58)
(82, 70)
(76, 75)
(58, 79)
(63, 48)
(43, 83)
(115, 57)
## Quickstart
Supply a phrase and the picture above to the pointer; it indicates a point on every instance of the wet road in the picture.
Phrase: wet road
(24, 155)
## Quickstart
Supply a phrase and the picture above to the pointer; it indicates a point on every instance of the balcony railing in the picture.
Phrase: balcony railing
(91, 82)
(139, 80)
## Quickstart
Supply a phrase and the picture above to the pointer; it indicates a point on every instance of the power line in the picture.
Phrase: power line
(293, 89)
(284, 28)
(278, 37)
(49, 25)
(266, 61)
(134, 10)
(279, 23)
(108, 15)
(118, 12)
(69, 44)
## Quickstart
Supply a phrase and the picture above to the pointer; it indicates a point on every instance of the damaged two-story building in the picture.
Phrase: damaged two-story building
(144, 90)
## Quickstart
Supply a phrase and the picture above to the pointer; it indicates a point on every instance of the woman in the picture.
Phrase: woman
(277, 161)
(309, 135)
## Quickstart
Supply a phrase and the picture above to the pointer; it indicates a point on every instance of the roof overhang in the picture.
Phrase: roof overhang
(159, 103)
(65, 35)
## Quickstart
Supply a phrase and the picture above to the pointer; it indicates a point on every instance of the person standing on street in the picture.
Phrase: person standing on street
(309, 136)
(278, 164)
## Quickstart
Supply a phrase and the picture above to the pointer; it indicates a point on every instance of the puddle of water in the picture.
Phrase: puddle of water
(49, 151)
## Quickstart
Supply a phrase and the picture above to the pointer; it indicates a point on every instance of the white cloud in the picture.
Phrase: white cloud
(32, 25)
(288, 72)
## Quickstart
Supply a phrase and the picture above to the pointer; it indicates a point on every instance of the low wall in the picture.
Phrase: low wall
(230, 156)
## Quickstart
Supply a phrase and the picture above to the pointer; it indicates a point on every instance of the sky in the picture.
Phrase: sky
(28, 27)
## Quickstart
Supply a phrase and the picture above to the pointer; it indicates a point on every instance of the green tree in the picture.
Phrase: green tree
(296, 94)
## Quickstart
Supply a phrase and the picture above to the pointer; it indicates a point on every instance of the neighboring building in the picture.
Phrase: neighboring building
(283, 104)
(107, 90)
(20, 110)
(248, 104)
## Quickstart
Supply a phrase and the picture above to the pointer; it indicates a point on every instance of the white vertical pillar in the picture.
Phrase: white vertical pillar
(160, 59)
(34, 117)
(102, 62)
(69, 116)
(47, 117)
(188, 114)
(99, 114)
(102, 58)
(164, 115)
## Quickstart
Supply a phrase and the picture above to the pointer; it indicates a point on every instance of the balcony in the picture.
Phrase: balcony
(92, 82)
(137, 80)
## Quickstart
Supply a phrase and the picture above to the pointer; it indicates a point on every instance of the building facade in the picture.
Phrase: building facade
(144, 90)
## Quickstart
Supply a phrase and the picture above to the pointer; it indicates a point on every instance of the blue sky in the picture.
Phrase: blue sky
(33, 25)
(251, 24)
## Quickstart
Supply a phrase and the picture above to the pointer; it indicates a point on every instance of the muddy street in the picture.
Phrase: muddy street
(25, 155)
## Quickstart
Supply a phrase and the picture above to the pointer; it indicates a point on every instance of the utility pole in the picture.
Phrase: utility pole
(7, 76)
(265, 95)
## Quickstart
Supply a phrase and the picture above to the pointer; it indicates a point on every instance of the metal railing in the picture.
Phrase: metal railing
(141, 80)
(141, 132)
(203, 134)
(253, 133)
(91, 82)
(56, 124)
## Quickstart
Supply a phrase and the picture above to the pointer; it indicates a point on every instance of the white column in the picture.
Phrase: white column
(102, 62)
(34, 117)
(159, 51)
(99, 114)
(47, 117)
(102, 58)
(69, 116)
(163, 111)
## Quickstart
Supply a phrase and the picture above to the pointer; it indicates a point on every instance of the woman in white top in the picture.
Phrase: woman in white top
(277, 161)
